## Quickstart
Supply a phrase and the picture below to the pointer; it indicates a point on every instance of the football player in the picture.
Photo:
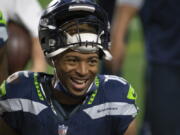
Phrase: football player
(3, 66)
(75, 100)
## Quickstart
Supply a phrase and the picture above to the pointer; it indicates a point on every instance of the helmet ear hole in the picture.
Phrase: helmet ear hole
(54, 41)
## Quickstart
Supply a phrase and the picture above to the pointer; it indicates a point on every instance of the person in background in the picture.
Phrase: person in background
(3, 61)
(109, 8)
(22, 23)
(75, 99)
(3, 57)
(160, 23)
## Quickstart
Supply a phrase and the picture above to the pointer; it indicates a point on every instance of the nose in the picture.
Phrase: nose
(82, 69)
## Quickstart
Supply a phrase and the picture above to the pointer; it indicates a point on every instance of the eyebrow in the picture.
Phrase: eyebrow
(90, 57)
(95, 57)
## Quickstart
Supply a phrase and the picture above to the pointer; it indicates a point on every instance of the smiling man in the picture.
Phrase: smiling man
(77, 70)
(75, 100)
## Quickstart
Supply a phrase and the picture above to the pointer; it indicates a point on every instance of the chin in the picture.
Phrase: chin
(78, 93)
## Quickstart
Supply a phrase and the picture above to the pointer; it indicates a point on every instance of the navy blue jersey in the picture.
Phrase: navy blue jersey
(160, 19)
(107, 110)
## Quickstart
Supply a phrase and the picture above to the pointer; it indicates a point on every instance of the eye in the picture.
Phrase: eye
(71, 61)
(93, 62)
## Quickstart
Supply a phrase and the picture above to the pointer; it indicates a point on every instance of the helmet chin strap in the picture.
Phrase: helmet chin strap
(56, 79)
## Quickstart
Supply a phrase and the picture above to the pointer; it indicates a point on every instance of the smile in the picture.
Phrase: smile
(79, 84)
(79, 81)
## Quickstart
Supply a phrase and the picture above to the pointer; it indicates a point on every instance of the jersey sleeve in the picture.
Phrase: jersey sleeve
(11, 119)
(16, 86)
(4, 105)
(9, 100)
(122, 96)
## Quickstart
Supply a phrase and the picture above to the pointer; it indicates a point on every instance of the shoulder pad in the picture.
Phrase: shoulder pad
(115, 78)
(17, 75)
(119, 87)
(12, 79)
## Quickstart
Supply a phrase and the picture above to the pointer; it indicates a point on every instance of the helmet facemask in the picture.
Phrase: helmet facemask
(85, 35)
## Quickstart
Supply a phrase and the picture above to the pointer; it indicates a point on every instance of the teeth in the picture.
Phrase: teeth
(79, 81)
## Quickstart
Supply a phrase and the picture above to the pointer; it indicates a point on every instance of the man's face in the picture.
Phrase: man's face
(77, 70)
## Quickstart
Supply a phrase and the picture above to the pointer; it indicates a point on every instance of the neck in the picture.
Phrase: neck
(63, 98)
